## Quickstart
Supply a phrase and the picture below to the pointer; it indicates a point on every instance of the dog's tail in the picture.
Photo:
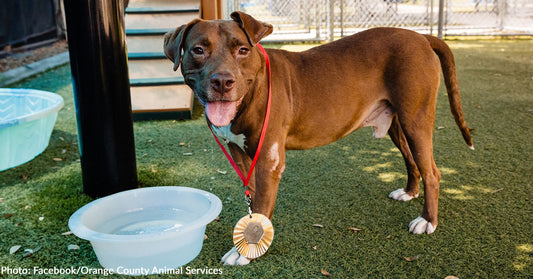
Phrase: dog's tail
(452, 85)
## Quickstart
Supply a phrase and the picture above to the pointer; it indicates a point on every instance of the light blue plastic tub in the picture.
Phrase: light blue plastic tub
(27, 118)
(148, 230)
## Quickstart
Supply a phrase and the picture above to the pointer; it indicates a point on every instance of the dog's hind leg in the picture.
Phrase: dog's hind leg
(413, 175)
(419, 136)
(413, 85)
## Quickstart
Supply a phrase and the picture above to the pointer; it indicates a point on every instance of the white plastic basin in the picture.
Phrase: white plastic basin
(27, 118)
(147, 230)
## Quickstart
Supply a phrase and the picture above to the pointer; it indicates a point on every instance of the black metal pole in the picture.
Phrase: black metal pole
(97, 45)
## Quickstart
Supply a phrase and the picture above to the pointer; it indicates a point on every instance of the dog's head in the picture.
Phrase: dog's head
(219, 61)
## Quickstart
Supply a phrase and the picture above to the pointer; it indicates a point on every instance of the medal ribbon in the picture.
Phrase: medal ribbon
(246, 180)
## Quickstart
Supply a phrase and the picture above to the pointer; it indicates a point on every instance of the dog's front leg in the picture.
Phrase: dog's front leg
(263, 186)
(243, 161)
(269, 170)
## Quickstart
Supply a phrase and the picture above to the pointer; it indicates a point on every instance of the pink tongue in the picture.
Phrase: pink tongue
(220, 113)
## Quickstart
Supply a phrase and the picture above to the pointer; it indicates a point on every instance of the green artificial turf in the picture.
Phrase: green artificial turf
(486, 211)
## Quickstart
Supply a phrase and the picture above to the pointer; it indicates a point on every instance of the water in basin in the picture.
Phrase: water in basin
(147, 220)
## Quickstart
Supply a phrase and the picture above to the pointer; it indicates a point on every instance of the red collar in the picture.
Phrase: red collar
(246, 180)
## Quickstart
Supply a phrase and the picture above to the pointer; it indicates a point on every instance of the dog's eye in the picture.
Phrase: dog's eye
(243, 51)
(198, 50)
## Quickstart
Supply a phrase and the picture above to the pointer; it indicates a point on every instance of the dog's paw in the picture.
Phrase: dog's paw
(421, 225)
(234, 258)
(401, 195)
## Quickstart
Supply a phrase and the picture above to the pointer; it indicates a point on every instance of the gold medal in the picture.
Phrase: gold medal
(252, 235)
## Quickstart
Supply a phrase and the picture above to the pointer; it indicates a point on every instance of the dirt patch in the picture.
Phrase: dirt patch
(20, 58)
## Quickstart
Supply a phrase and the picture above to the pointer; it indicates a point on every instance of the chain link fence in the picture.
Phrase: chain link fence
(302, 20)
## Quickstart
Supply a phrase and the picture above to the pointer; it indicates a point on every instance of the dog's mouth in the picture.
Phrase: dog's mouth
(219, 109)
(220, 113)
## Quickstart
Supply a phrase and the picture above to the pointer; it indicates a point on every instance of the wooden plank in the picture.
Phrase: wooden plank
(152, 68)
(156, 10)
(157, 21)
(160, 4)
(161, 98)
(153, 43)
(211, 9)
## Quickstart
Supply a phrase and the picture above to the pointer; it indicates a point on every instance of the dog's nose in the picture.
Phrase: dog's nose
(222, 82)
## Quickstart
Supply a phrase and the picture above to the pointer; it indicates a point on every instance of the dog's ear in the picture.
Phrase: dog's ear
(254, 29)
(174, 42)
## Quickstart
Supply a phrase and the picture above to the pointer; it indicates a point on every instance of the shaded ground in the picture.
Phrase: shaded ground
(17, 59)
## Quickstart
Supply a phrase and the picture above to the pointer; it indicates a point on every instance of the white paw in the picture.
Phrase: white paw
(420, 226)
(234, 258)
(401, 195)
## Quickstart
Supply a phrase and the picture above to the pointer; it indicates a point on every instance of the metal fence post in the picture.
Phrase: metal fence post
(501, 13)
(430, 12)
(441, 18)
(97, 46)
(342, 17)
(331, 20)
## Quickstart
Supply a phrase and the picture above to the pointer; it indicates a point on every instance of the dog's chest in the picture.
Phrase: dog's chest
(228, 136)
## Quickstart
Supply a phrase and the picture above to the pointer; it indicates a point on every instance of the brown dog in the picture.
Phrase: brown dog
(386, 78)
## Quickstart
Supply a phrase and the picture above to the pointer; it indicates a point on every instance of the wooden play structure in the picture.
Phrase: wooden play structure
(157, 92)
